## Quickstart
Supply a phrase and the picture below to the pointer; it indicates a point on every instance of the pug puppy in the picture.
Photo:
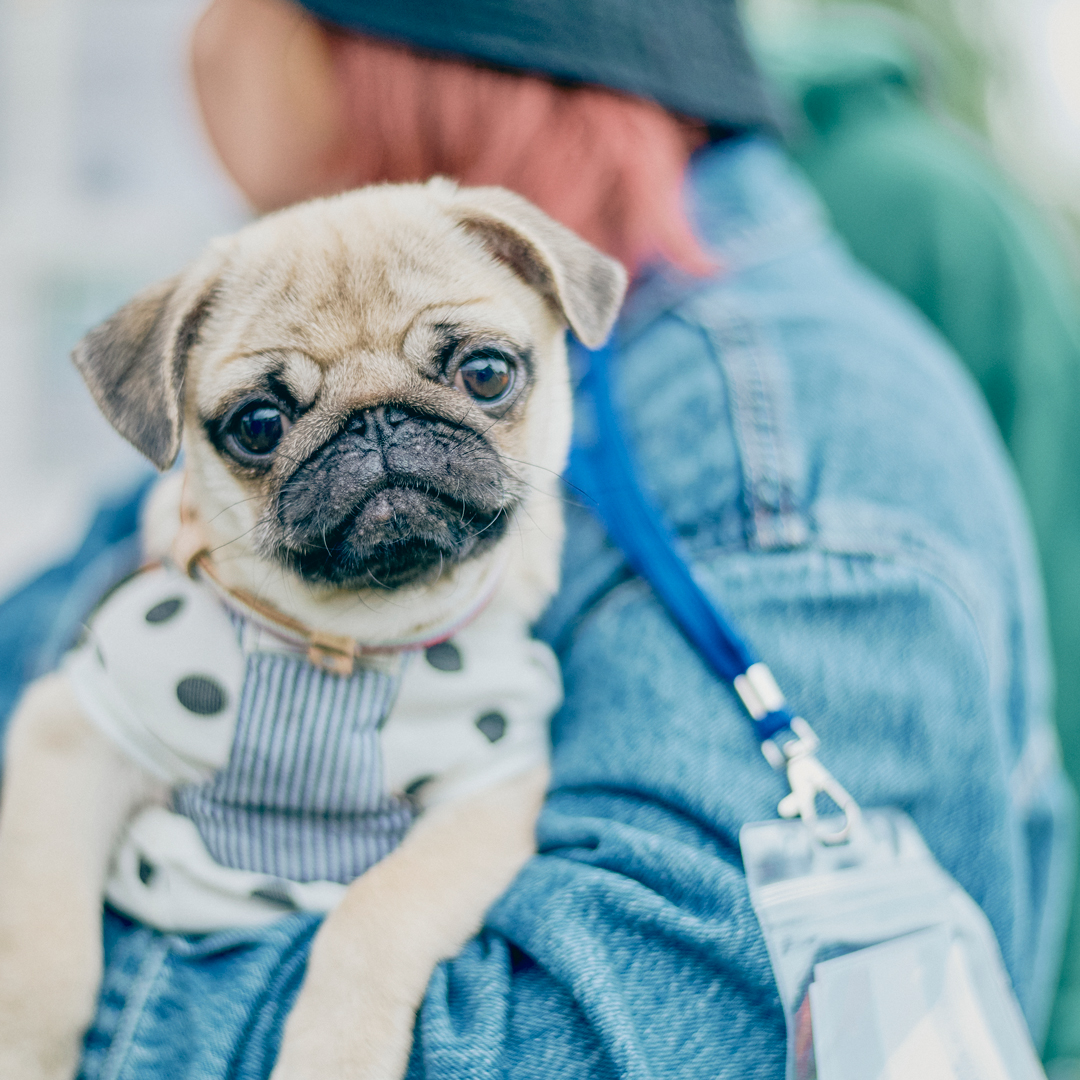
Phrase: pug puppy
(372, 397)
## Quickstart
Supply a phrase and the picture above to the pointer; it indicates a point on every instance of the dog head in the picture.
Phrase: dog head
(370, 390)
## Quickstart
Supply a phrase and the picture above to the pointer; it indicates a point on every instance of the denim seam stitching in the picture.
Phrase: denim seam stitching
(897, 556)
(752, 371)
(133, 1010)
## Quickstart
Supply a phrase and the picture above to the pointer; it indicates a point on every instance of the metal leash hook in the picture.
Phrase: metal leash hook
(808, 779)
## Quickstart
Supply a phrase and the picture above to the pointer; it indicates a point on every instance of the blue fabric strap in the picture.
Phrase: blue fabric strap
(601, 466)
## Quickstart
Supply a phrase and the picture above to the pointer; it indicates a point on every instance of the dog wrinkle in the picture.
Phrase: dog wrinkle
(394, 497)
(302, 376)
(393, 273)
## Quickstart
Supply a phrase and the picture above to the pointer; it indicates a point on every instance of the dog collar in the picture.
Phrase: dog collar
(333, 652)
(336, 652)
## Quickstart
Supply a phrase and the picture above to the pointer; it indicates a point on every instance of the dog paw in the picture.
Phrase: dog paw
(311, 1063)
(342, 1038)
(42, 1019)
(35, 1042)
(326, 1055)
(38, 1056)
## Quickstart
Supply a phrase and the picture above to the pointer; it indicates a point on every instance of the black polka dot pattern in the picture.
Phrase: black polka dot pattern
(492, 726)
(445, 656)
(414, 787)
(164, 611)
(201, 695)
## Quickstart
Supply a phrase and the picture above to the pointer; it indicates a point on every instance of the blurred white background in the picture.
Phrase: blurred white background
(106, 184)
(1061, 34)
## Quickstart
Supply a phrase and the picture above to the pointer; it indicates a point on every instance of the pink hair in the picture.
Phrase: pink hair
(608, 165)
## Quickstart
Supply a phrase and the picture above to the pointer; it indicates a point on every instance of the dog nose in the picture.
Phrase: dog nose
(368, 421)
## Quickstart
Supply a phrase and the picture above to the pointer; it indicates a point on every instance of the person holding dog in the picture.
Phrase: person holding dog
(837, 485)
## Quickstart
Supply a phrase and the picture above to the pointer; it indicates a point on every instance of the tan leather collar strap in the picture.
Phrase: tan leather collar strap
(191, 552)
(333, 652)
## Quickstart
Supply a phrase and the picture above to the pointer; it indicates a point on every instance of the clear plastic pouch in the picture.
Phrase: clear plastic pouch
(887, 969)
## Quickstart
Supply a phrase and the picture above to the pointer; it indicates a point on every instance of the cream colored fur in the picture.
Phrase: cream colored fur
(66, 794)
(346, 297)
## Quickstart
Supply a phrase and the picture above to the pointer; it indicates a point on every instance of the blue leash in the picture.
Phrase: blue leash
(604, 470)
(602, 467)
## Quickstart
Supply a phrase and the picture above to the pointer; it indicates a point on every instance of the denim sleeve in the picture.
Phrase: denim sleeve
(41, 620)
(628, 947)
(839, 488)
(842, 493)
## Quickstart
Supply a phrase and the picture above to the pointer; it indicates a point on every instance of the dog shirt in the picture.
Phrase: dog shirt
(288, 781)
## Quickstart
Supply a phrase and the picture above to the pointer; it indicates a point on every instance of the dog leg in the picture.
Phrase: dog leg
(373, 957)
(65, 795)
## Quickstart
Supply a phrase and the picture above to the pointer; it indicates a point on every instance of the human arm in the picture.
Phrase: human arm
(903, 621)
(374, 954)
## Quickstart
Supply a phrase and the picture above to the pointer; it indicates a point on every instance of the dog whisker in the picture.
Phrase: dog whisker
(536, 526)
(497, 516)
(563, 500)
(543, 468)
(231, 506)
(228, 543)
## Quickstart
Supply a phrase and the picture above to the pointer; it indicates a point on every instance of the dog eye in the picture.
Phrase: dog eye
(258, 429)
(486, 376)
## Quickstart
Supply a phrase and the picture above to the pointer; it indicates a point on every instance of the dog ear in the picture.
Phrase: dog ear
(134, 363)
(585, 285)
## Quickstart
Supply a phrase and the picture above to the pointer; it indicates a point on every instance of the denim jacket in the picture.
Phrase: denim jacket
(841, 491)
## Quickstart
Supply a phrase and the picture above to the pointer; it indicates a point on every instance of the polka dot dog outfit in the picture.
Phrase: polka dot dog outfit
(288, 780)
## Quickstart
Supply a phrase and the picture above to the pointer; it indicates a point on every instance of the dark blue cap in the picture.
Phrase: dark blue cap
(688, 55)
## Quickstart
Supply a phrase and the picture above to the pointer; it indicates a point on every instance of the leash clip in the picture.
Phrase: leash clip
(808, 779)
